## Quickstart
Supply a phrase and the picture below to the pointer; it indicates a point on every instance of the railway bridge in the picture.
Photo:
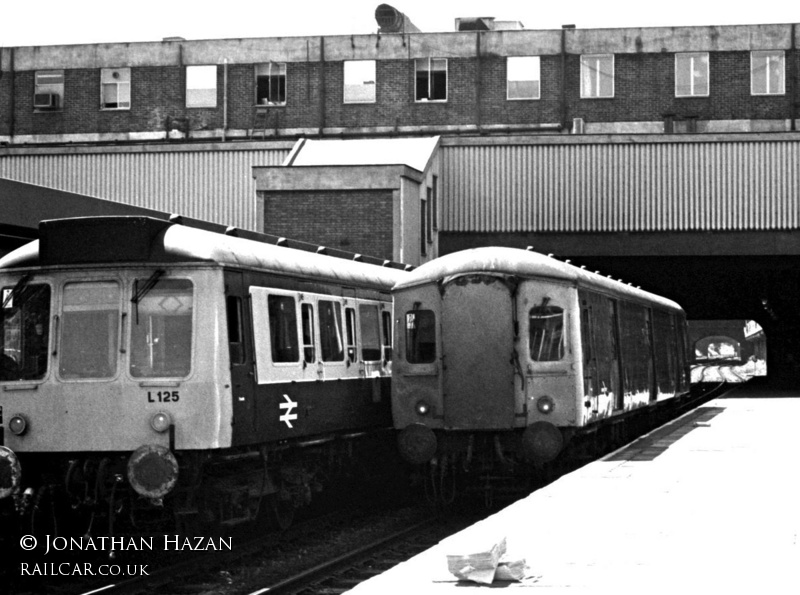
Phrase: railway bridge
(709, 220)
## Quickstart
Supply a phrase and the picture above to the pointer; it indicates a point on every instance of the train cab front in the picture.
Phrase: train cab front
(110, 382)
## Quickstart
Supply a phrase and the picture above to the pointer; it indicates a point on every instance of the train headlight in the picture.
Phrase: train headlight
(545, 404)
(422, 408)
(18, 425)
(161, 422)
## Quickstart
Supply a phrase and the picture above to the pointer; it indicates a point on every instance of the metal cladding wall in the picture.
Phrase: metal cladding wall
(742, 182)
(211, 185)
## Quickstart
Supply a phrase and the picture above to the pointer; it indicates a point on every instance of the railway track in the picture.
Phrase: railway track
(309, 553)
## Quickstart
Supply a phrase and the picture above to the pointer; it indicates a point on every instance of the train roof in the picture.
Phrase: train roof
(117, 240)
(524, 264)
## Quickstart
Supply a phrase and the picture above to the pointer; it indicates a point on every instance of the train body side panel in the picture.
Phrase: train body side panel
(318, 359)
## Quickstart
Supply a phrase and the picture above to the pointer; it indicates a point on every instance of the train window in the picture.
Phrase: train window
(386, 318)
(161, 331)
(89, 342)
(24, 331)
(546, 333)
(350, 325)
(307, 312)
(330, 331)
(283, 329)
(233, 305)
(370, 333)
(420, 337)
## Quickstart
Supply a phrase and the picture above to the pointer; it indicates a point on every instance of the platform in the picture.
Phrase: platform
(709, 503)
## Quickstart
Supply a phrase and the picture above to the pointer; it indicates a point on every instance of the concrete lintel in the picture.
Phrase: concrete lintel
(332, 177)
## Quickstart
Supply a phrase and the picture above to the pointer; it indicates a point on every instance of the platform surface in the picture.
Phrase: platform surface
(709, 503)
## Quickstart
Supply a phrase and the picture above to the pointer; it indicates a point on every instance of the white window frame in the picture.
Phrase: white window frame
(761, 60)
(269, 70)
(429, 68)
(120, 80)
(360, 81)
(698, 67)
(523, 69)
(592, 73)
(201, 86)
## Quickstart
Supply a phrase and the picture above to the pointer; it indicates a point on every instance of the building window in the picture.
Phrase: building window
(522, 73)
(201, 86)
(48, 92)
(767, 73)
(597, 76)
(359, 81)
(115, 88)
(271, 84)
(431, 77)
(691, 75)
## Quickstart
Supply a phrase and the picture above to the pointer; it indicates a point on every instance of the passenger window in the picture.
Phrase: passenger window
(307, 311)
(350, 324)
(283, 329)
(370, 333)
(24, 331)
(330, 331)
(161, 330)
(235, 330)
(386, 318)
(420, 337)
(546, 333)
(89, 343)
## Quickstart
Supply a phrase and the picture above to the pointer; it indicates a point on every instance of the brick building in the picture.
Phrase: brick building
(178, 125)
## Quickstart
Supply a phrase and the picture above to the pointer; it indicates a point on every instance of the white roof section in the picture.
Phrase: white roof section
(413, 152)
(522, 263)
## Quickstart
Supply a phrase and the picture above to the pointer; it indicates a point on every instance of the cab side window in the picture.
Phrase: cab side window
(546, 325)
(420, 337)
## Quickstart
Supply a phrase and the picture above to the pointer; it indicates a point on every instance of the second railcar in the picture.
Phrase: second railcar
(507, 354)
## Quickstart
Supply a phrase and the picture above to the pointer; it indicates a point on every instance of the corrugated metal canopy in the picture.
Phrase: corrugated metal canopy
(413, 152)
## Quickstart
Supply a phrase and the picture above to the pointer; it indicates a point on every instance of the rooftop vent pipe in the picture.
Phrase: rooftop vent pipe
(391, 20)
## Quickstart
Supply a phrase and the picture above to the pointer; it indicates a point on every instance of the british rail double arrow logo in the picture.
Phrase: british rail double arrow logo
(287, 417)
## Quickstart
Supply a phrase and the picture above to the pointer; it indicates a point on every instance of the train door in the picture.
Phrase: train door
(651, 356)
(590, 377)
(240, 349)
(615, 369)
(478, 353)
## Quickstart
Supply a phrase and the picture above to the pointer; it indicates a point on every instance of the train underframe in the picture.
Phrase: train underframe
(495, 466)
(90, 493)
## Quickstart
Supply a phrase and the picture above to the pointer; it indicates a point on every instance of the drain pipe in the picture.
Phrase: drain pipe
(564, 29)
(224, 99)
(794, 71)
